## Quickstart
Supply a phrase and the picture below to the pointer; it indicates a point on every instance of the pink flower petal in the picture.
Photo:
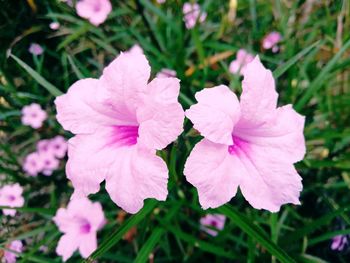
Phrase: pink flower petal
(283, 135)
(140, 174)
(214, 172)
(88, 246)
(90, 160)
(96, 11)
(215, 114)
(126, 80)
(161, 116)
(267, 182)
(259, 97)
(80, 109)
(67, 244)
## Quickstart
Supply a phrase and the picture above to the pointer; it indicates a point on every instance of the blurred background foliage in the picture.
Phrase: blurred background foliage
(312, 73)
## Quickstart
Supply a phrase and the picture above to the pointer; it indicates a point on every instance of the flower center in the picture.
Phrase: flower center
(11, 198)
(125, 135)
(214, 223)
(238, 145)
(85, 228)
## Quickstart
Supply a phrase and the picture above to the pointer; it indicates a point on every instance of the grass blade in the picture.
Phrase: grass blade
(317, 83)
(35, 75)
(203, 245)
(255, 232)
(147, 248)
(283, 68)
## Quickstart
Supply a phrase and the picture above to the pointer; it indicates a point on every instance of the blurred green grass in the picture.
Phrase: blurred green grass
(312, 72)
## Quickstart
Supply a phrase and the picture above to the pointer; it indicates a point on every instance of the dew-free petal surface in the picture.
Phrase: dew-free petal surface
(215, 114)
(80, 111)
(214, 172)
(140, 174)
(259, 97)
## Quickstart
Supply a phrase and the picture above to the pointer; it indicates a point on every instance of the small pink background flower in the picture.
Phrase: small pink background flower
(54, 25)
(59, 146)
(33, 115)
(16, 246)
(33, 164)
(271, 40)
(79, 223)
(11, 196)
(35, 49)
(339, 242)
(56, 147)
(192, 14)
(50, 163)
(250, 143)
(120, 120)
(239, 65)
(96, 11)
(166, 73)
(211, 221)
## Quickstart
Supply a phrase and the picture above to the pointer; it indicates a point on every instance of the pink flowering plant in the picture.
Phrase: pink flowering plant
(174, 131)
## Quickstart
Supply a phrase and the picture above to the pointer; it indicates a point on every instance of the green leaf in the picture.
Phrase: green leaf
(147, 248)
(203, 245)
(283, 68)
(255, 232)
(317, 83)
(310, 227)
(119, 233)
(43, 82)
(43, 211)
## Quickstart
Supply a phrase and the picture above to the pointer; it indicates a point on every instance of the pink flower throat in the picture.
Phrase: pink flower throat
(125, 135)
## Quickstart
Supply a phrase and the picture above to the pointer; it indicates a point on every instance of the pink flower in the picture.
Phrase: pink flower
(44, 147)
(339, 242)
(120, 120)
(15, 246)
(96, 11)
(192, 14)
(56, 147)
(239, 65)
(33, 115)
(251, 144)
(35, 49)
(161, 1)
(59, 146)
(54, 25)
(166, 73)
(135, 49)
(79, 223)
(212, 221)
(33, 164)
(11, 196)
(50, 164)
(271, 40)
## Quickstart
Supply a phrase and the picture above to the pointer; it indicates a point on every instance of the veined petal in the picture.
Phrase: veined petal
(215, 114)
(139, 174)
(282, 134)
(160, 115)
(126, 80)
(88, 244)
(259, 97)
(91, 157)
(66, 246)
(266, 182)
(164, 90)
(214, 172)
(79, 110)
